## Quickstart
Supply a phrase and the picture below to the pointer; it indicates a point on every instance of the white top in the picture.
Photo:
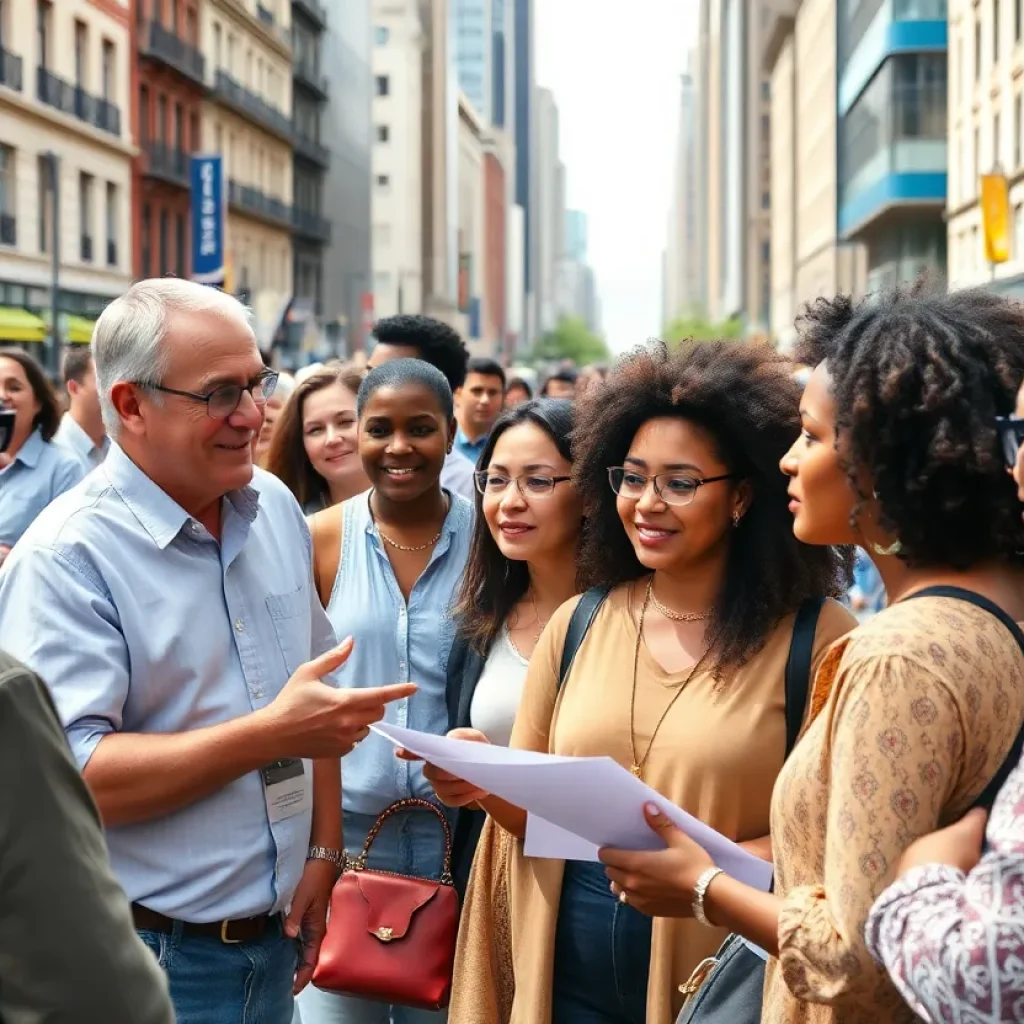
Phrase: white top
(497, 694)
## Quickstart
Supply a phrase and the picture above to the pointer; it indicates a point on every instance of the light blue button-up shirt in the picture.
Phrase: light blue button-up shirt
(470, 450)
(395, 642)
(141, 622)
(38, 473)
(71, 435)
(457, 475)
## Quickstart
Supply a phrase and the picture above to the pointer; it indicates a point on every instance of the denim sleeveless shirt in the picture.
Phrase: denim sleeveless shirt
(395, 642)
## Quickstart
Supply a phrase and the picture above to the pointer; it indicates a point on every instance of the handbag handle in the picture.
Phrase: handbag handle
(359, 863)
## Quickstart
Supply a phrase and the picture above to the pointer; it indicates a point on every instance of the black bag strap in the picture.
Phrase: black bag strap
(580, 621)
(798, 667)
(991, 791)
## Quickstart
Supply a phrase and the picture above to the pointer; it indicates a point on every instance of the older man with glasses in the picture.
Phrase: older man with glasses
(168, 602)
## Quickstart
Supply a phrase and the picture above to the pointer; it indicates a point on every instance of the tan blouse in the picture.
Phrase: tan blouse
(717, 755)
(924, 702)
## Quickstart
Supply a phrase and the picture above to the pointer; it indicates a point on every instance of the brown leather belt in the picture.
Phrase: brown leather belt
(246, 929)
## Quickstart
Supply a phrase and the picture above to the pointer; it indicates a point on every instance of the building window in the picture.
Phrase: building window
(179, 126)
(8, 206)
(109, 69)
(85, 200)
(217, 41)
(43, 171)
(383, 181)
(381, 35)
(995, 31)
(179, 243)
(81, 52)
(44, 12)
(977, 47)
(977, 160)
(162, 241)
(111, 224)
(383, 133)
(766, 200)
(383, 85)
(144, 115)
(161, 120)
(147, 241)
(192, 27)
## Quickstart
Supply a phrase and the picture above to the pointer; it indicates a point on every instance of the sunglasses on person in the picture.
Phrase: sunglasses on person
(1011, 436)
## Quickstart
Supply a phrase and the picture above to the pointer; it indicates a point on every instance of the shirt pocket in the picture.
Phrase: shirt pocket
(291, 618)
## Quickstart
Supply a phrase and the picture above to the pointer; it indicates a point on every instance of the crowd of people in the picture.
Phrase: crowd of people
(783, 592)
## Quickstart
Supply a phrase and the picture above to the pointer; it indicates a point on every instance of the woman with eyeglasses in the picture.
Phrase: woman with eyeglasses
(950, 929)
(680, 678)
(33, 469)
(521, 569)
(914, 713)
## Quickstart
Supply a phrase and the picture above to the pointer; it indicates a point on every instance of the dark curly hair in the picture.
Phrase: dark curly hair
(436, 342)
(918, 378)
(746, 398)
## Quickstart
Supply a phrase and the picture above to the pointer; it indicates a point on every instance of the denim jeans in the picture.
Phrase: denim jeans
(411, 844)
(602, 953)
(213, 982)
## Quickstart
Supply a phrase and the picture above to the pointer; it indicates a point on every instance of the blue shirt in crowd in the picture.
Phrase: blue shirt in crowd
(141, 622)
(395, 642)
(470, 449)
(71, 435)
(38, 473)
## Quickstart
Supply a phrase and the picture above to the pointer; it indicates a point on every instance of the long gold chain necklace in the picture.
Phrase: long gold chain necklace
(638, 763)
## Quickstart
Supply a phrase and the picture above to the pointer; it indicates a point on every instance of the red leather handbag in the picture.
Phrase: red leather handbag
(391, 937)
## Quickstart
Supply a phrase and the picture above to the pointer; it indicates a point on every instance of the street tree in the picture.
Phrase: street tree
(571, 339)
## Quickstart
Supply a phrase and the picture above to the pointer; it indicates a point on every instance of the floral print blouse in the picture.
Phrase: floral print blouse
(954, 943)
(915, 711)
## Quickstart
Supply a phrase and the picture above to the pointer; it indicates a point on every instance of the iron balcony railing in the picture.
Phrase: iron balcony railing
(10, 70)
(169, 48)
(248, 104)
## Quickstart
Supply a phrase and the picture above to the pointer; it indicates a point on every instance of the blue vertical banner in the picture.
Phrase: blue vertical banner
(208, 248)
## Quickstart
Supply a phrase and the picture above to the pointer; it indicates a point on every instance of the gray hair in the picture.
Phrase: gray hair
(128, 340)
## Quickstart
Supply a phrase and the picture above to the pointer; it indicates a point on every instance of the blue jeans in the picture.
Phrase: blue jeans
(602, 953)
(213, 982)
(410, 844)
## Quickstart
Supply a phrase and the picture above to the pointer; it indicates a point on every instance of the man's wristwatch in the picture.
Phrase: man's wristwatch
(699, 890)
(336, 857)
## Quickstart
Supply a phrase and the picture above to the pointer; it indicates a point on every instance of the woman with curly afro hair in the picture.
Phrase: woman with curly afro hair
(680, 678)
(913, 715)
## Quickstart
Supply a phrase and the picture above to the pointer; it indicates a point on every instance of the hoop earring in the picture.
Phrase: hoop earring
(893, 549)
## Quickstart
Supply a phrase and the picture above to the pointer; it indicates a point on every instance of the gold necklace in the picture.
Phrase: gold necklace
(677, 616)
(508, 632)
(406, 547)
(638, 763)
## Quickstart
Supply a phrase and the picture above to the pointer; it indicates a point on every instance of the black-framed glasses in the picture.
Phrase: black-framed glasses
(530, 485)
(223, 401)
(1011, 437)
(673, 488)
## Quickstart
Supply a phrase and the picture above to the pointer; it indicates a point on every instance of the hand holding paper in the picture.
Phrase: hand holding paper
(583, 802)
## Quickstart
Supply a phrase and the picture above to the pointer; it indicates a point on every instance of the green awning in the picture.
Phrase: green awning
(20, 325)
(77, 330)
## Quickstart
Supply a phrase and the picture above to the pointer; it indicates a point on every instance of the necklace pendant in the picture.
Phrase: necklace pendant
(636, 770)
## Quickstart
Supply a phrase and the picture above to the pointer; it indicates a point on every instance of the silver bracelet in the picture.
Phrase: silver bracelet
(707, 876)
(335, 857)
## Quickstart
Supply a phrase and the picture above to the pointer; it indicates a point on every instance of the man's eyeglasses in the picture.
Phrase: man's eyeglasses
(1011, 437)
(672, 488)
(530, 485)
(223, 401)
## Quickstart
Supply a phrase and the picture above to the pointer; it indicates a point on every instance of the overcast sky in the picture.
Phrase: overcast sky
(614, 68)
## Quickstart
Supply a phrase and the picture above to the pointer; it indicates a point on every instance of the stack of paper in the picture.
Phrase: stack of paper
(574, 805)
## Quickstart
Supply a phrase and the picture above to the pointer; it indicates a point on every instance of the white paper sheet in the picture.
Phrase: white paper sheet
(546, 840)
(592, 798)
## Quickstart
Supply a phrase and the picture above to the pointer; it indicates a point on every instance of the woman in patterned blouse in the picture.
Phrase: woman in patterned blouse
(914, 711)
(950, 930)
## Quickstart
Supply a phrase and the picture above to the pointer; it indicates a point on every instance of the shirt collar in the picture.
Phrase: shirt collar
(31, 451)
(465, 442)
(158, 513)
(448, 527)
(72, 433)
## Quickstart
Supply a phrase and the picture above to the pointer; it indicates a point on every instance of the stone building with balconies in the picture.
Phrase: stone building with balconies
(247, 117)
(66, 77)
(171, 86)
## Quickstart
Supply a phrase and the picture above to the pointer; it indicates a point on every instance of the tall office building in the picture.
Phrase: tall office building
(576, 235)
(892, 130)
(808, 255)
(474, 53)
(547, 211)
(67, 81)
(526, 155)
(986, 132)
(683, 281)
(346, 55)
